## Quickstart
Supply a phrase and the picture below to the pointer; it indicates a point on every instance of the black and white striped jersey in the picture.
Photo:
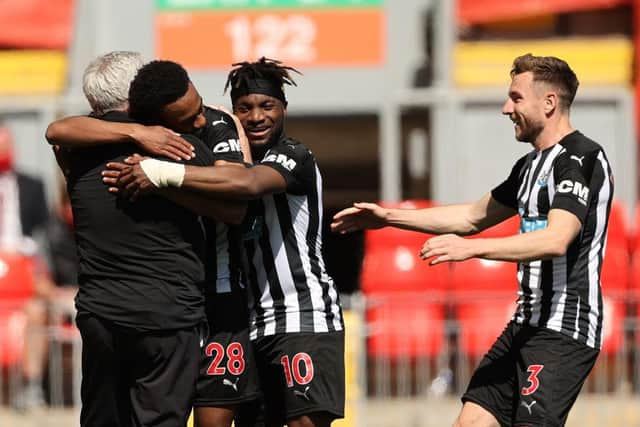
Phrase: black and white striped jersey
(563, 293)
(224, 264)
(290, 290)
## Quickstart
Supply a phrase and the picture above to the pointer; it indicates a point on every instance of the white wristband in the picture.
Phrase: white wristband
(163, 174)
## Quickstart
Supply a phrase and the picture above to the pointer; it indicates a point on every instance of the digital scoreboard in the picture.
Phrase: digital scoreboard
(213, 34)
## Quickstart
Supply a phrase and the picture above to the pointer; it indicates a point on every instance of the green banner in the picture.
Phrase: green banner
(167, 5)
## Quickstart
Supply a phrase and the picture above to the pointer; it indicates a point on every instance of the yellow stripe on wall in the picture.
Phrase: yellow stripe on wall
(32, 72)
(596, 61)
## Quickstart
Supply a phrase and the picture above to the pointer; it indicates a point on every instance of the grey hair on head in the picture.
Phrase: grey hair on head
(106, 80)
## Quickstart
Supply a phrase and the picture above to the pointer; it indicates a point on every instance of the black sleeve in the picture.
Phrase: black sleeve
(221, 136)
(572, 176)
(296, 164)
(204, 156)
(507, 192)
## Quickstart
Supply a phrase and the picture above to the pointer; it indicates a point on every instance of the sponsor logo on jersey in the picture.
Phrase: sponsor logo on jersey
(233, 385)
(577, 159)
(218, 122)
(253, 230)
(286, 162)
(303, 394)
(575, 188)
(528, 225)
(227, 146)
(544, 177)
(529, 406)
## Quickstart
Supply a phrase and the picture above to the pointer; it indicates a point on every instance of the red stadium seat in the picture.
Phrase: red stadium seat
(405, 295)
(615, 272)
(390, 236)
(480, 277)
(613, 333)
(16, 276)
(618, 234)
(398, 268)
(392, 264)
(634, 230)
(481, 322)
(508, 227)
(634, 276)
(12, 327)
(16, 287)
(485, 293)
(406, 325)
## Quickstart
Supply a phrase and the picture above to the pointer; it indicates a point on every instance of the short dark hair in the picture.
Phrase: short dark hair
(156, 85)
(552, 70)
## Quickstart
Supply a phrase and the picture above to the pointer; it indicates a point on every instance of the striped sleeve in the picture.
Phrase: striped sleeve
(507, 192)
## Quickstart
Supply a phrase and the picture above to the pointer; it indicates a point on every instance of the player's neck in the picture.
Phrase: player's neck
(552, 134)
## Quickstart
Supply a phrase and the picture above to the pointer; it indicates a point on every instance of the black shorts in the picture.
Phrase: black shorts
(228, 372)
(141, 378)
(531, 376)
(301, 374)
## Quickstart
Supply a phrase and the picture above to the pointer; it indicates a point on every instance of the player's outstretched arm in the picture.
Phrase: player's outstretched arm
(463, 219)
(81, 131)
(552, 241)
(359, 217)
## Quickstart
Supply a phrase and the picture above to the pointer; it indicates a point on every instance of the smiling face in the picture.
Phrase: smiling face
(525, 106)
(262, 118)
(185, 115)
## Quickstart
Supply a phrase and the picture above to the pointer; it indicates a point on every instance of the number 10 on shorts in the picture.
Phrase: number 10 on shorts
(294, 371)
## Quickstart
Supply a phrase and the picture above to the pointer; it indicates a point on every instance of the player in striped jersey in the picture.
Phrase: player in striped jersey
(562, 191)
(296, 320)
(227, 369)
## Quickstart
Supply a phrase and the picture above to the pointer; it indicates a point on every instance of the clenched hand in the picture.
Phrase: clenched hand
(127, 179)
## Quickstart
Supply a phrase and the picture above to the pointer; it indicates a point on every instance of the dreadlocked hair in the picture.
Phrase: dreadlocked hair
(157, 84)
(264, 68)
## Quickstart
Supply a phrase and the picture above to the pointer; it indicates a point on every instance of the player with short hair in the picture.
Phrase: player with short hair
(562, 191)
(296, 320)
(228, 375)
(162, 94)
(140, 305)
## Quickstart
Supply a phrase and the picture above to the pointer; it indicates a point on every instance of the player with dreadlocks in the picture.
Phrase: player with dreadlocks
(296, 321)
(162, 94)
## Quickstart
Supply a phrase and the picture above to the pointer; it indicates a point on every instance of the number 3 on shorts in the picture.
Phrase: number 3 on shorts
(534, 382)
(293, 371)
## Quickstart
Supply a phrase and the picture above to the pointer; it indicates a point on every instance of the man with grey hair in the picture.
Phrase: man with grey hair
(140, 304)
(106, 80)
(105, 84)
